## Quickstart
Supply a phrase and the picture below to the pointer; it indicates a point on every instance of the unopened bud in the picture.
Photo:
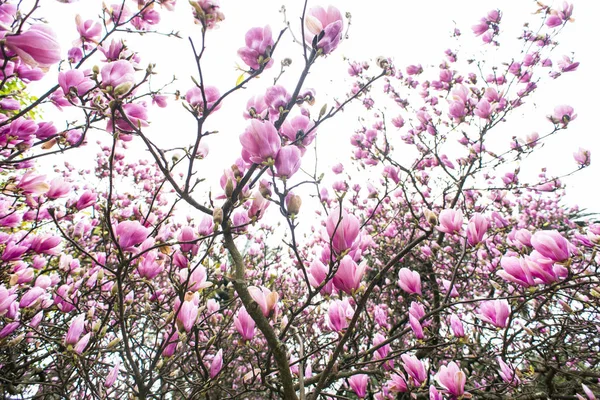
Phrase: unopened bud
(293, 203)
(218, 216)
(264, 190)
(95, 70)
(229, 188)
(113, 343)
(123, 89)
(286, 62)
(431, 217)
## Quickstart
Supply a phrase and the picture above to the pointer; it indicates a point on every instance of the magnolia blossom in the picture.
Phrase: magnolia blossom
(266, 299)
(329, 22)
(37, 47)
(244, 324)
(551, 244)
(260, 142)
(496, 312)
(257, 53)
(450, 221)
(343, 230)
(582, 157)
(216, 364)
(452, 379)
(338, 315)
(414, 368)
(358, 383)
(349, 275)
(75, 330)
(409, 281)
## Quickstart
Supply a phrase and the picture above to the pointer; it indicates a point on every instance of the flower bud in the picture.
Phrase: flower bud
(431, 217)
(229, 188)
(293, 203)
(218, 216)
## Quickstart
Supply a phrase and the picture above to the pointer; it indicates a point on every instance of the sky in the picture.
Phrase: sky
(409, 32)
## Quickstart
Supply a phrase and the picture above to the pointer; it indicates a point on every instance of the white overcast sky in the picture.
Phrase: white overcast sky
(408, 31)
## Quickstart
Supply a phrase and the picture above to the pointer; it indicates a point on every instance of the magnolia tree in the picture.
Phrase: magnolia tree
(437, 270)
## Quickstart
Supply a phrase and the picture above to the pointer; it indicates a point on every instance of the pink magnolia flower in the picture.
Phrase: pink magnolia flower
(329, 22)
(75, 81)
(135, 114)
(37, 47)
(416, 327)
(563, 115)
(86, 199)
(553, 21)
(29, 298)
(33, 184)
(296, 131)
(484, 109)
(516, 270)
(358, 383)
(82, 343)
(216, 364)
(287, 162)
(317, 274)
(590, 395)
(260, 142)
(195, 98)
(75, 330)
(58, 188)
(414, 368)
(257, 52)
(277, 99)
(551, 244)
(112, 376)
(507, 373)
(130, 233)
(582, 157)
(496, 312)
(343, 230)
(187, 234)
(266, 299)
(409, 281)
(398, 383)
(188, 312)
(89, 30)
(118, 73)
(457, 326)
(170, 343)
(412, 70)
(244, 324)
(349, 275)
(148, 267)
(476, 229)
(450, 221)
(338, 315)
(452, 378)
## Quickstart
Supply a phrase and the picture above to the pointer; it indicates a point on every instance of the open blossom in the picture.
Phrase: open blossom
(349, 275)
(452, 378)
(450, 221)
(259, 42)
(343, 230)
(496, 312)
(130, 233)
(288, 161)
(196, 99)
(75, 81)
(118, 73)
(266, 299)
(551, 244)
(582, 157)
(329, 22)
(317, 274)
(563, 115)
(89, 30)
(260, 142)
(409, 281)
(207, 13)
(507, 373)
(37, 47)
